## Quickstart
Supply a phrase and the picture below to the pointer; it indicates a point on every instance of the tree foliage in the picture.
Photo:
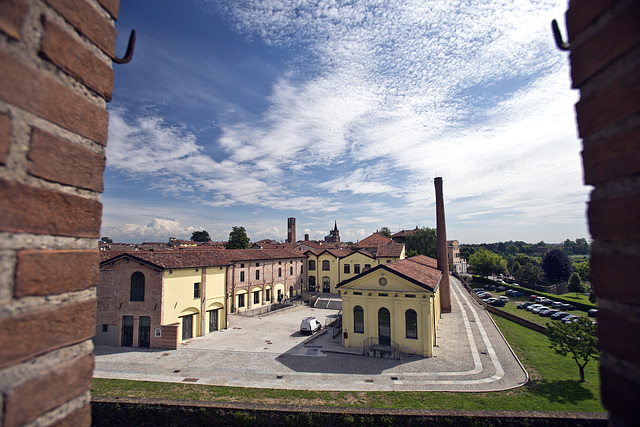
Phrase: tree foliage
(423, 241)
(577, 339)
(584, 270)
(200, 236)
(238, 239)
(556, 265)
(105, 239)
(575, 284)
(486, 263)
(385, 231)
(529, 273)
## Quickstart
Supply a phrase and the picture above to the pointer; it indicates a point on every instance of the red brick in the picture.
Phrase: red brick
(45, 272)
(614, 157)
(619, 35)
(40, 395)
(45, 330)
(620, 396)
(606, 105)
(28, 209)
(12, 14)
(81, 417)
(5, 137)
(58, 160)
(584, 12)
(619, 335)
(88, 21)
(615, 278)
(76, 59)
(615, 218)
(111, 6)
(35, 92)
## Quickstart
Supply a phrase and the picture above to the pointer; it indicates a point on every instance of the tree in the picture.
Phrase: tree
(105, 239)
(385, 231)
(529, 273)
(486, 263)
(423, 241)
(584, 270)
(200, 236)
(556, 265)
(575, 284)
(577, 339)
(238, 239)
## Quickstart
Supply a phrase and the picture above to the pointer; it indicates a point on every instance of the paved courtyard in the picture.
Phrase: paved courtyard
(270, 352)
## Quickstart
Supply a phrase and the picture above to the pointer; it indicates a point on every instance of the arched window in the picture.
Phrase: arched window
(411, 322)
(326, 265)
(312, 264)
(137, 287)
(358, 320)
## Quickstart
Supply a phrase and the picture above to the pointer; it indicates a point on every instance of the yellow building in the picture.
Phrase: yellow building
(393, 307)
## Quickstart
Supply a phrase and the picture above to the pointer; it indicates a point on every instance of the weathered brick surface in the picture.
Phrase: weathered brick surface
(49, 158)
(615, 218)
(51, 272)
(34, 210)
(81, 417)
(616, 156)
(595, 53)
(45, 330)
(619, 334)
(76, 59)
(5, 134)
(111, 6)
(608, 104)
(40, 395)
(615, 278)
(88, 21)
(33, 91)
(585, 12)
(620, 397)
(12, 14)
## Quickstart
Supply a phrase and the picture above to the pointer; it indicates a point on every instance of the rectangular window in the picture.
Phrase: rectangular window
(257, 264)
(326, 265)
(256, 297)
(356, 268)
(196, 290)
(242, 276)
(301, 268)
(409, 296)
(347, 269)
(105, 328)
(241, 265)
(358, 320)
(257, 274)
(291, 271)
(357, 293)
(383, 295)
(279, 272)
(241, 301)
(367, 266)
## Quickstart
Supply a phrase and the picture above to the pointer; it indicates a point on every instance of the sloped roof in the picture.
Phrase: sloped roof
(261, 254)
(403, 233)
(374, 240)
(338, 253)
(419, 270)
(394, 250)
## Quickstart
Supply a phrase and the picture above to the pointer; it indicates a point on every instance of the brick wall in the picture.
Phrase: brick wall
(605, 67)
(55, 80)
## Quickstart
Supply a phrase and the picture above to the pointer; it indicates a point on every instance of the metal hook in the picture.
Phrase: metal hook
(129, 54)
(558, 36)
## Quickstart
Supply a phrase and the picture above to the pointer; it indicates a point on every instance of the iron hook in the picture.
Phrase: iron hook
(558, 36)
(129, 54)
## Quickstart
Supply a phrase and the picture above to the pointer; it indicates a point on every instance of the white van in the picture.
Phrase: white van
(309, 325)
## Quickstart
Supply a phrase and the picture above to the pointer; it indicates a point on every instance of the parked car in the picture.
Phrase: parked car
(550, 312)
(593, 312)
(516, 294)
(534, 306)
(490, 300)
(570, 318)
(485, 295)
(309, 325)
(500, 288)
(537, 310)
(524, 304)
(489, 287)
(498, 302)
(533, 297)
(478, 290)
(559, 315)
(503, 298)
(568, 307)
(557, 304)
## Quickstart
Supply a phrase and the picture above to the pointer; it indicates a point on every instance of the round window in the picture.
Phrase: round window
(382, 281)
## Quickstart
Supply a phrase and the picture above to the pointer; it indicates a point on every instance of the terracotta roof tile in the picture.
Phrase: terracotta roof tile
(374, 240)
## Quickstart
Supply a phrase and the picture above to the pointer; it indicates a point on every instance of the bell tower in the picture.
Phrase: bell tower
(291, 230)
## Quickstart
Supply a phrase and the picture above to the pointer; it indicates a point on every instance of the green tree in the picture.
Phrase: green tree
(238, 239)
(577, 339)
(200, 236)
(575, 284)
(486, 263)
(556, 265)
(584, 270)
(423, 241)
(529, 273)
(105, 239)
(385, 231)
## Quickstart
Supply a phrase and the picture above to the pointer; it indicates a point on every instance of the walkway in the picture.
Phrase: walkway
(471, 355)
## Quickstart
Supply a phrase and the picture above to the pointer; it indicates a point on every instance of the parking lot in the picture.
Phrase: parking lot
(270, 352)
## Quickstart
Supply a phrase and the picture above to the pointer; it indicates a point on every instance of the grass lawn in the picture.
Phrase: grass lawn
(554, 386)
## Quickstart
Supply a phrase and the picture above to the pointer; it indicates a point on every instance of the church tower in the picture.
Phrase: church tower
(291, 230)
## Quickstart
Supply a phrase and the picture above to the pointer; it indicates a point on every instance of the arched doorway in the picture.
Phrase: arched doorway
(384, 327)
(312, 284)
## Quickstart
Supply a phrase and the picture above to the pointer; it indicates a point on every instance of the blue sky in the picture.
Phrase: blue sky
(249, 112)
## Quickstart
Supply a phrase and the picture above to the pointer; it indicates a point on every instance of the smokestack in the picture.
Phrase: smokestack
(443, 264)
(291, 230)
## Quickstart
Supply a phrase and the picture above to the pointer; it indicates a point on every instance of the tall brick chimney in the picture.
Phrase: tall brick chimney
(291, 230)
(443, 265)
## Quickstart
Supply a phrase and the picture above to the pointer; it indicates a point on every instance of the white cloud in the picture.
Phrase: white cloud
(157, 230)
